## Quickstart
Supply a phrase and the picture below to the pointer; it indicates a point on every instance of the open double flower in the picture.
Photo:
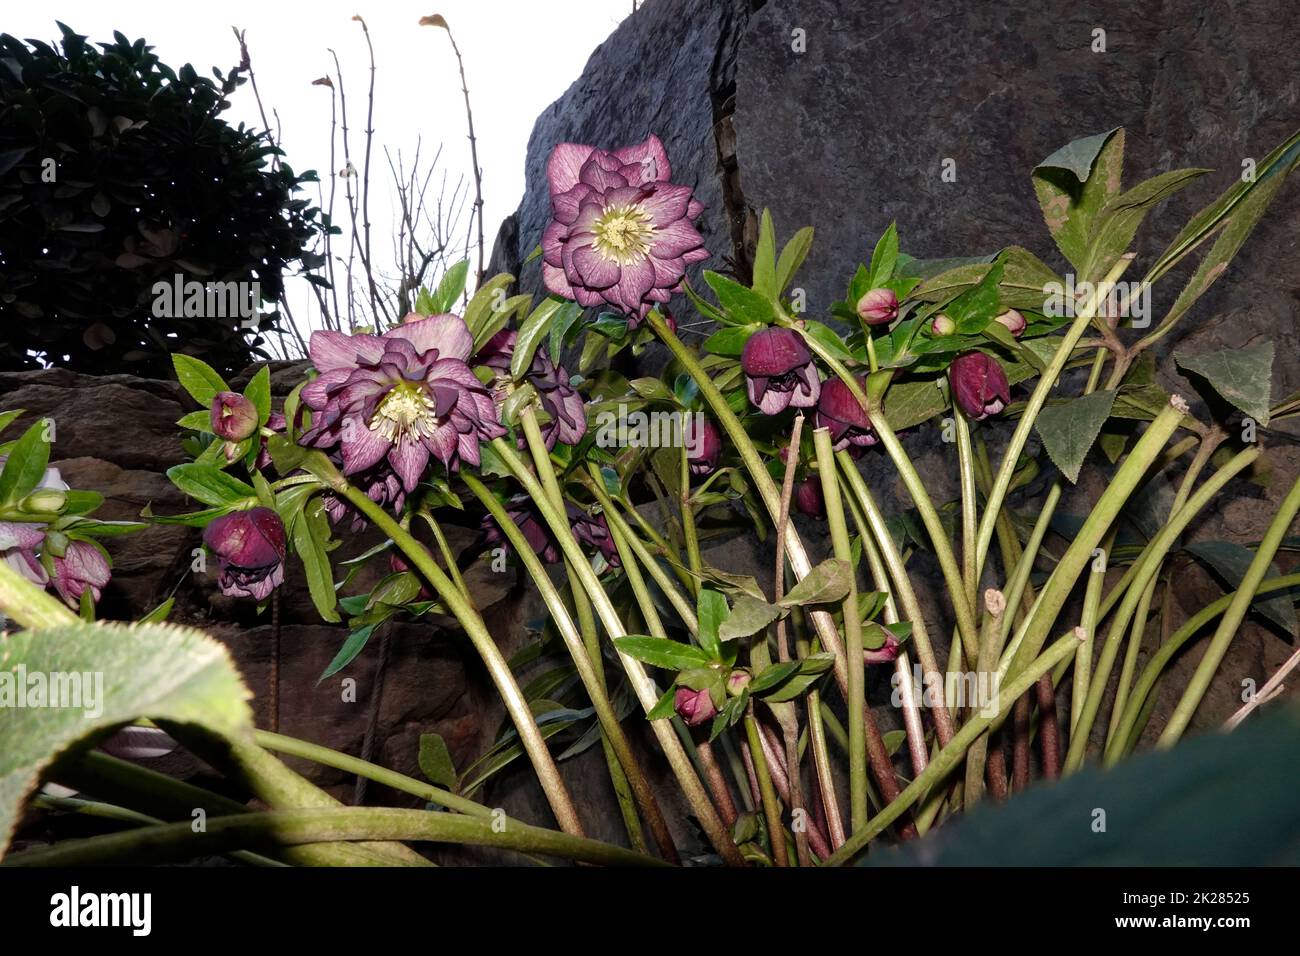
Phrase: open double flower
(402, 397)
(566, 414)
(621, 234)
(250, 549)
(842, 414)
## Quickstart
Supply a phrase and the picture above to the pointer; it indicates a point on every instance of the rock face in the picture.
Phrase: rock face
(842, 116)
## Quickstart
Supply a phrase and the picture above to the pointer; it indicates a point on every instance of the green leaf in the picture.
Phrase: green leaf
(663, 708)
(198, 378)
(482, 304)
(885, 257)
(827, 583)
(712, 612)
(1229, 561)
(749, 615)
(662, 652)
(210, 485)
(8, 418)
(200, 421)
(731, 340)
(828, 339)
(259, 393)
(1241, 376)
(1215, 800)
(155, 671)
(310, 535)
(25, 466)
(436, 762)
(1118, 221)
(1068, 430)
(532, 332)
(772, 675)
(811, 669)
(792, 257)
(742, 305)
(765, 258)
(450, 288)
(1073, 184)
(354, 645)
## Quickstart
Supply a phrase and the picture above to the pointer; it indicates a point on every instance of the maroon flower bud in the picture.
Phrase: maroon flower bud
(943, 325)
(1013, 320)
(397, 565)
(840, 411)
(250, 549)
(878, 307)
(779, 371)
(703, 445)
(979, 385)
(234, 417)
(884, 654)
(808, 497)
(694, 706)
(81, 566)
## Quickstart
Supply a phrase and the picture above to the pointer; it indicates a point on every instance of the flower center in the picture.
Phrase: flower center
(623, 234)
(407, 411)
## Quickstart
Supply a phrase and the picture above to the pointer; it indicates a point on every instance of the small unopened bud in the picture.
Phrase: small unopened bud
(44, 501)
(1013, 321)
(694, 706)
(943, 325)
(878, 306)
(737, 681)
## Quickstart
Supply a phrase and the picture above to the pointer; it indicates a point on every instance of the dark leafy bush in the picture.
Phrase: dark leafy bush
(117, 172)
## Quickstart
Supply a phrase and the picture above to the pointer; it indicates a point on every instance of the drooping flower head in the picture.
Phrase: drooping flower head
(979, 385)
(590, 530)
(620, 232)
(878, 306)
(381, 485)
(403, 396)
(234, 417)
(18, 543)
(83, 566)
(779, 371)
(694, 706)
(840, 411)
(565, 410)
(250, 549)
(703, 445)
(808, 497)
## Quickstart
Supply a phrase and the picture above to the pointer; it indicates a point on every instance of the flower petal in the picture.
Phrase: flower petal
(565, 165)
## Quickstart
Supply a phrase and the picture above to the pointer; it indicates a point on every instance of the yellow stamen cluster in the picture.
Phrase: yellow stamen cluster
(407, 411)
(623, 234)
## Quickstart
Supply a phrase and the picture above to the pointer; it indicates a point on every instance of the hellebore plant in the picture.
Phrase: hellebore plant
(754, 685)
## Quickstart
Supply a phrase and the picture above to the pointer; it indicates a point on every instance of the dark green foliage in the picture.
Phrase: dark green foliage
(149, 182)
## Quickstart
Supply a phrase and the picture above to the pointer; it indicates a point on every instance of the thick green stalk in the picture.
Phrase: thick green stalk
(1052, 598)
(1088, 621)
(1145, 569)
(969, 517)
(771, 806)
(856, 700)
(690, 534)
(619, 744)
(642, 685)
(906, 596)
(534, 744)
(1046, 382)
(996, 605)
(279, 828)
(618, 760)
(951, 755)
(1231, 619)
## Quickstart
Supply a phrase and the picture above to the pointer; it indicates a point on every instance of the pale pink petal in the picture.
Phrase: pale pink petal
(594, 270)
(555, 281)
(447, 333)
(667, 203)
(566, 204)
(650, 156)
(675, 239)
(409, 459)
(565, 164)
(361, 447)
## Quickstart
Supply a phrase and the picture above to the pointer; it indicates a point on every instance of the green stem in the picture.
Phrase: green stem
(278, 828)
(1144, 570)
(951, 755)
(690, 534)
(856, 699)
(771, 806)
(1232, 619)
(534, 744)
(969, 517)
(1046, 382)
(1088, 621)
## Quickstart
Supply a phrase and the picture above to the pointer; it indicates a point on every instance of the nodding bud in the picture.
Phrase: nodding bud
(1013, 321)
(943, 325)
(43, 501)
(808, 497)
(737, 681)
(234, 417)
(878, 306)
(694, 706)
(979, 386)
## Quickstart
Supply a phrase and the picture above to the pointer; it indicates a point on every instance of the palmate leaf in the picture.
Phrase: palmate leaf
(155, 671)
(1074, 184)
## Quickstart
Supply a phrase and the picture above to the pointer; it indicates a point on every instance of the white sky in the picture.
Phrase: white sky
(520, 55)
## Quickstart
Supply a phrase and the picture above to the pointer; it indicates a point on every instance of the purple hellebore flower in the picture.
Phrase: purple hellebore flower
(620, 232)
(250, 549)
(18, 543)
(403, 396)
(779, 371)
(590, 530)
(1013, 320)
(82, 566)
(568, 414)
(878, 306)
(703, 445)
(849, 424)
(234, 417)
(979, 385)
(381, 485)
(694, 706)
